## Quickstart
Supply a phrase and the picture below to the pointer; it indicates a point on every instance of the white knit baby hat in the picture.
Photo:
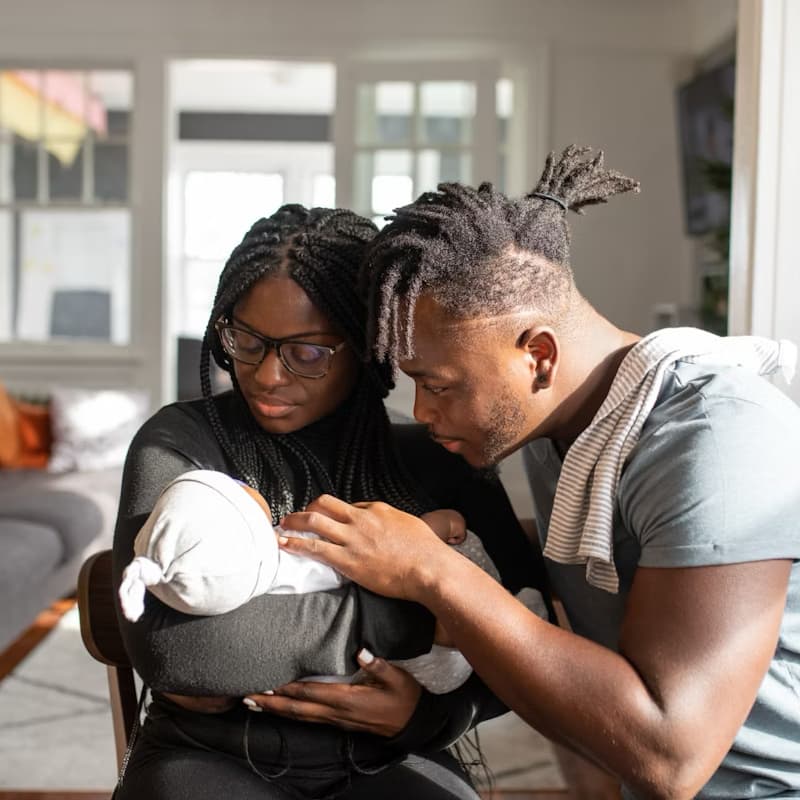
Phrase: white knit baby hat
(206, 548)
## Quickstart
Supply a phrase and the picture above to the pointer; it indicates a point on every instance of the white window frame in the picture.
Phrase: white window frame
(485, 145)
(23, 360)
(765, 239)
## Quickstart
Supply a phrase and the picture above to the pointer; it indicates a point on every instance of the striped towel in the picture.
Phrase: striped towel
(581, 524)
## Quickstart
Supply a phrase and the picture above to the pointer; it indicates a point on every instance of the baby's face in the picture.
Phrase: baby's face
(259, 499)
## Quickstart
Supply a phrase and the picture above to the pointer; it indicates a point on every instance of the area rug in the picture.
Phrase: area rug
(55, 718)
(56, 732)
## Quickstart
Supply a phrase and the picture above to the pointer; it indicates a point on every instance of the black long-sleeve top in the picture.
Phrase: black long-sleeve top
(247, 650)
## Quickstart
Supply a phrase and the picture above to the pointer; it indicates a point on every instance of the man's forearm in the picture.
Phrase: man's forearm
(567, 687)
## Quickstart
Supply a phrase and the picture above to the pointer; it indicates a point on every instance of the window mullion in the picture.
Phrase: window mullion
(416, 140)
(43, 167)
(87, 192)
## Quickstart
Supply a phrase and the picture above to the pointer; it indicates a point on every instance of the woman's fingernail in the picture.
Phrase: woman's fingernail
(283, 539)
(251, 704)
(365, 657)
(268, 691)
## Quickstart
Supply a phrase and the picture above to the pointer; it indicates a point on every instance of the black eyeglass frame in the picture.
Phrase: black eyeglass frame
(269, 343)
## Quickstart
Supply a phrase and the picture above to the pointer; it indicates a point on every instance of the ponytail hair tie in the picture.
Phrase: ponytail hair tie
(550, 197)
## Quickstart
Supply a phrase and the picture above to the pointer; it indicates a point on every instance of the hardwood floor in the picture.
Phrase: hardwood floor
(507, 795)
(27, 640)
(12, 795)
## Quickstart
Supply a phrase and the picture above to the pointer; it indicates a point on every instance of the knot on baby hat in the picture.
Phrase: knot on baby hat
(138, 575)
(206, 548)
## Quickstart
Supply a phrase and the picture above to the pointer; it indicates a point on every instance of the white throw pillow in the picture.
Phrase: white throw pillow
(92, 428)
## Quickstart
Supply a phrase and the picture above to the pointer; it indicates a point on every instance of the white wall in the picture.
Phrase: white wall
(632, 253)
(610, 69)
(712, 23)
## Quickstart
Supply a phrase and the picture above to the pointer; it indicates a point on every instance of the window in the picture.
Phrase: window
(410, 136)
(218, 207)
(64, 205)
(251, 135)
(408, 127)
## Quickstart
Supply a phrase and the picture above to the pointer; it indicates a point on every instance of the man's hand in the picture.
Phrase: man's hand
(382, 703)
(383, 549)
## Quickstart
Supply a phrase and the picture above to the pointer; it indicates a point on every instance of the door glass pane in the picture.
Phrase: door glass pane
(447, 109)
(200, 280)
(220, 207)
(323, 191)
(390, 192)
(384, 181)
(504, 101)
(437, 166)
(385, 112)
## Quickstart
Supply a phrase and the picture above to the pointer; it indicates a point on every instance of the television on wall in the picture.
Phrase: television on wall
(705, 116)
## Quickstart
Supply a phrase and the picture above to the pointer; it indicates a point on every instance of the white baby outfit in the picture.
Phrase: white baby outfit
(208, 547)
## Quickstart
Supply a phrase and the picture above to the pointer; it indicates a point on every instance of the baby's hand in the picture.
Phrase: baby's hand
(447, 524)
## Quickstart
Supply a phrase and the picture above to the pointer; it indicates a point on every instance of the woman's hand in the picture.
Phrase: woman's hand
(381, 703)
(380, 547)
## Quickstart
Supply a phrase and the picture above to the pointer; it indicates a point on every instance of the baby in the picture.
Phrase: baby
(209, 546)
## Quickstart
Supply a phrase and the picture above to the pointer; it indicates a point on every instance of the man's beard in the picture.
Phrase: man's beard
(508, 420)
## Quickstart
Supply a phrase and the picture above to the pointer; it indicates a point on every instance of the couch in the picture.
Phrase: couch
(49, 524)
(61, 459)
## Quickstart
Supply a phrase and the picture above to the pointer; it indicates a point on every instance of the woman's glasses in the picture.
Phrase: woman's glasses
(305, 359)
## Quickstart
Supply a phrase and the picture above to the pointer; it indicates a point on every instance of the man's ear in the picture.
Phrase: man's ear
(541, 349)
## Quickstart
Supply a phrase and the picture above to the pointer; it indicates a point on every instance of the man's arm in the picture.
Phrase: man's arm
(660, 714)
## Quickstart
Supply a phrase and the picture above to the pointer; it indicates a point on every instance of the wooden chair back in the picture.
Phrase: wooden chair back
(101, 637)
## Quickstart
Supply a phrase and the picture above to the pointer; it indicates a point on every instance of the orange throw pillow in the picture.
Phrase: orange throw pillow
(35, 436)
(25, 436)
(9, 430)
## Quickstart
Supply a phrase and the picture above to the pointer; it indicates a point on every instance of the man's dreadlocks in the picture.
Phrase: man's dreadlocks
(479, 253)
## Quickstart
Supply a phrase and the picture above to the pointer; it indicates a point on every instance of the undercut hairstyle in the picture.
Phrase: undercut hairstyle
(479, 253)
(321, 250)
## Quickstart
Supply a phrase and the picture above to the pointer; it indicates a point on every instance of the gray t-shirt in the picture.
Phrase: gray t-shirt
(714, 479)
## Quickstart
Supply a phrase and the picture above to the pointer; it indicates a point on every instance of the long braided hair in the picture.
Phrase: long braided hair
(479, 253)
(321, 250)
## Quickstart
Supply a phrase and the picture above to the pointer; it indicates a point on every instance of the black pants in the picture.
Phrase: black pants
(242, 755)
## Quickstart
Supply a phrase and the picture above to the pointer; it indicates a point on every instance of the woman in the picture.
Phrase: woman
(305, 417)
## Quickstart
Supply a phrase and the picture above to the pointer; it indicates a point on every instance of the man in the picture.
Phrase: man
(666, 489)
